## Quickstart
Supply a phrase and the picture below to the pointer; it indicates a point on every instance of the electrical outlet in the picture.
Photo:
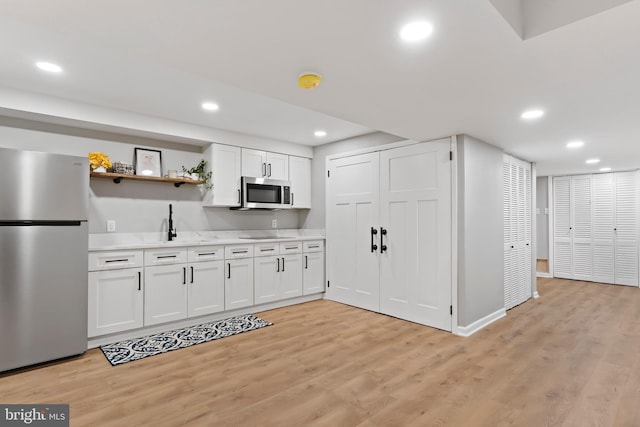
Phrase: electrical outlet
(111, 226)
(274, 223)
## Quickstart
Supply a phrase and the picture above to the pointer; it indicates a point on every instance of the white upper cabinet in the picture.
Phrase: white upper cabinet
(263, 164)
(300, 177)
(225, 166)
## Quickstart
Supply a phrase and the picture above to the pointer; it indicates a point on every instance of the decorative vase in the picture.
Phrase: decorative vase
(100, 169)
(195, 176)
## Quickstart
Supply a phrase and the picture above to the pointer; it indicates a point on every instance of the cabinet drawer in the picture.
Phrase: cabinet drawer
(115, 259)
(266, 249)
(238, 251)
(290, 247)
(205, 253)
(164, 256)
(313, 246)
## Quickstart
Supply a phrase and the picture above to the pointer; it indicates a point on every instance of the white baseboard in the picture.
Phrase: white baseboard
(548, 275)
(150, 330)
(465, 331)
(536, 295)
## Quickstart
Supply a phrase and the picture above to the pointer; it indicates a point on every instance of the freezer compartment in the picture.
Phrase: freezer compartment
(43, 186)
(43, 293)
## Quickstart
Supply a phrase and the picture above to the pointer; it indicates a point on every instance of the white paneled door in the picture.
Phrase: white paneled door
(415, 239)
(389, 232)
(352, 209)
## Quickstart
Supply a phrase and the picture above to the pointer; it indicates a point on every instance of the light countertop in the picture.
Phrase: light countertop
(116, 241)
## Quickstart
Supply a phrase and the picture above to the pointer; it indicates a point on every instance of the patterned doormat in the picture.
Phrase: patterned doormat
(130, 350)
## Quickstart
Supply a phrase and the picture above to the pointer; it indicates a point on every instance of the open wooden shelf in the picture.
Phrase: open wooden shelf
(118, 177)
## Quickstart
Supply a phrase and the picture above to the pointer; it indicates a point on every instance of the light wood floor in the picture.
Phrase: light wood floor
(570, 358)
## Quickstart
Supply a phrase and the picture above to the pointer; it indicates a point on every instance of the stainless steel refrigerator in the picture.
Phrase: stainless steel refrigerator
(44, 202)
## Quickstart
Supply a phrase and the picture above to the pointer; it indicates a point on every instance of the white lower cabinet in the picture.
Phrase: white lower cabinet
(167, 284)
(313, 267)
(115, 301)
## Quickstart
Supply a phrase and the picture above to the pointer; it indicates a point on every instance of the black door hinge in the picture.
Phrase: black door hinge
(450, 155)
(451, 310)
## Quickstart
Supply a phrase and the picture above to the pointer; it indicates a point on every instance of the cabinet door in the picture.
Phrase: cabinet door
(165, 293)
(206, 288)
(291, 275)
(225, 161)
(300, 177)
(352, 210)
(254, 163)
(267, 275)
(115, 301)
(415, 211)
(313, 273)
(238, 283)
(277, 166)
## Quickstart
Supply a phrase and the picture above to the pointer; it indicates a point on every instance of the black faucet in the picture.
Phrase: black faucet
(172, 231)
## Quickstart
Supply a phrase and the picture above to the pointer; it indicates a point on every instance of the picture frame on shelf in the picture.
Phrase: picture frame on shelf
(148, 162)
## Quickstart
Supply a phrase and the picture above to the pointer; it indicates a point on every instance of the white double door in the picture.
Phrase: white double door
(389, 232)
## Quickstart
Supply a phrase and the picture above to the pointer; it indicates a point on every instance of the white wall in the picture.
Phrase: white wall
(315, 218)
(139, 206)
(480, 230)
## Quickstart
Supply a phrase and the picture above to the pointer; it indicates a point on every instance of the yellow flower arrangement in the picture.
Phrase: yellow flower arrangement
(98, 159)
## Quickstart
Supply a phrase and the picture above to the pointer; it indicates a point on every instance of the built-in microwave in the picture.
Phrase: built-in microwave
(263, 193)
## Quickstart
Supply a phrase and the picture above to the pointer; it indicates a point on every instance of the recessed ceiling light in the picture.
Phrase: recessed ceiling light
(575, 144)
(48, 66)
(592, 161)
(532, 114)
(605, 169)
(416, 31)
(210, 106)
(320, 133)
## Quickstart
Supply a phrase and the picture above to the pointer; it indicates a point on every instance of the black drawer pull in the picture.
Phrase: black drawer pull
(118, 260)
(166, 256)
(239, 252)
(207, 253)
(139, 281)
(266, 249)
(313, 246)
(291, 247)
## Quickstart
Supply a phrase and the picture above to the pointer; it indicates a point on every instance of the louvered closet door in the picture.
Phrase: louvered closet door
(509, 271)
(562, 251)
(626, 228)
(602, 227)
(581, 238)
(523, 291)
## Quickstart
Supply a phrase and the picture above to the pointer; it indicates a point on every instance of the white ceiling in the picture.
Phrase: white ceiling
(474, 75)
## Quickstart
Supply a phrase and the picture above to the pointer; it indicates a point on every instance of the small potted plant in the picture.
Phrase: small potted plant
(99, 162)
(199, 172)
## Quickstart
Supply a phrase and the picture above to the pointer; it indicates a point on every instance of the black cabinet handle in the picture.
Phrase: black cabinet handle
(374, 247)
(269, 169)
(264, 169)
(383, 232)
(139, 280)
(512, 246)
(527, 244)
(291, 199)
(282, 264)
(239, 201)
(278, 265)
(166, 256)
(192, 274)
(229, 274)
(117, 260)
(184, 275)
(306, 262)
